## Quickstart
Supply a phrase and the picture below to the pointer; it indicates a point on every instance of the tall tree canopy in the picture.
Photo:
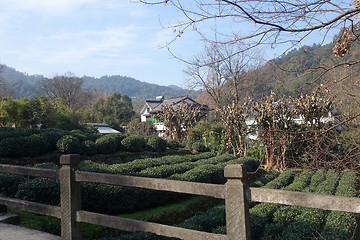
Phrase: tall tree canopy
(116, 108)
(69, 88)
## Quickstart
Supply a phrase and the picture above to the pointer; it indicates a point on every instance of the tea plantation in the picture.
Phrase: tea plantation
(268, 221)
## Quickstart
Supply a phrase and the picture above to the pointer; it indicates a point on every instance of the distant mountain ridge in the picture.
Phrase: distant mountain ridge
(24, 85)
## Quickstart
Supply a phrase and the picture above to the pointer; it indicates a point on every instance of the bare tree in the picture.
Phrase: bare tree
(69, 88)
(271, 22)
(222, 72)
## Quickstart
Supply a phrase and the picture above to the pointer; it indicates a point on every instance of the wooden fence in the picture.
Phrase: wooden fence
(235, 192)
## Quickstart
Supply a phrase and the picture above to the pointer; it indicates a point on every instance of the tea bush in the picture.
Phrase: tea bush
(9, 184)
(156, 144)
(106, 144)
(68, 144)
(88, 147)
(42, 190)
(134, 143)
(173, 144)
(199, 147)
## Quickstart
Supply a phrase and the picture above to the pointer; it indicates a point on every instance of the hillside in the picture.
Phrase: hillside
(24, 85)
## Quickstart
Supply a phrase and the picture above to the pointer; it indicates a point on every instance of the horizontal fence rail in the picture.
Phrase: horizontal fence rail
(29, 171)
(235, 192)
(32, 207)
(204, 189)
(302, 199)
(131, 225)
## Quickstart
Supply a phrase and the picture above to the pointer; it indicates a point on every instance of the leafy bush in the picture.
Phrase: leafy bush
(52, 136)
(166, 170)
(88, 147)
(173, 144)
(12, 147)
(342, 225)
(40, 190)
(23, 146)
(283, 180)
(9, 184)
(106, 144)
(199, 147)
(68, 144)
(134, 143)
(37, 145)
(206, 221)
(156, 143)
(204, 173)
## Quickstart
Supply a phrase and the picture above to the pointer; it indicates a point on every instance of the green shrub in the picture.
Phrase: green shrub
(37, 145)
(88, 147)
(204, 173)
(173, 144)
(134, 143)
(9, 184)
(283, 180)
(316, 179)
(156, 143)
(260, 215)
(14, 147)
(41, 190)
(106, 144)
(117, 138)
(328, 186)
(52, 136)
(300, 182)
(68, 144)
(165, 171)
(199, 147)
(206, 221)
(341, 224)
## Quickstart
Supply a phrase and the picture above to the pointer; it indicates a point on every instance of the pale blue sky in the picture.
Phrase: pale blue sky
(94, 38)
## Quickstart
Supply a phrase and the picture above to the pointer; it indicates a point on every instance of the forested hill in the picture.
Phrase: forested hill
(24, 85)
(133, 88)
(301, 70)
(292, 74)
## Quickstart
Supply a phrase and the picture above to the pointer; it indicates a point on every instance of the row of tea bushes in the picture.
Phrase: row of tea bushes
(116, 199)
(35, 142)
(24, 143)
(131, 168)
(298, 222)
(271, 221)
(342, 225)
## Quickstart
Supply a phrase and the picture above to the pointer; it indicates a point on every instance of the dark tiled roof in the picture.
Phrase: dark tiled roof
(174, 101)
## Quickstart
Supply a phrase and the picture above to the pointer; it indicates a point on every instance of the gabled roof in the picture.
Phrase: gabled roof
(177, 100)
(151, 103)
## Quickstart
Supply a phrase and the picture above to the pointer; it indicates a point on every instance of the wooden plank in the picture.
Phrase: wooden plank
(141, 226)
(29, 171)
(205, 189)
(310, 200)
(32, 207)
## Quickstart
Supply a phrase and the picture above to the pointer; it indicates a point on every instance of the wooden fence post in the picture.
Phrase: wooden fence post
(236, 205)
(70, 197)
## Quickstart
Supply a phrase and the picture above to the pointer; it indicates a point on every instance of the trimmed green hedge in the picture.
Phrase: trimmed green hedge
(173, 144)
(106, 144)
(342, 225)
(134, 143)
(156, 144)
(68, 144)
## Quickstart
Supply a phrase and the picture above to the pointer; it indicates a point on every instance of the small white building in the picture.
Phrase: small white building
(104, 128)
